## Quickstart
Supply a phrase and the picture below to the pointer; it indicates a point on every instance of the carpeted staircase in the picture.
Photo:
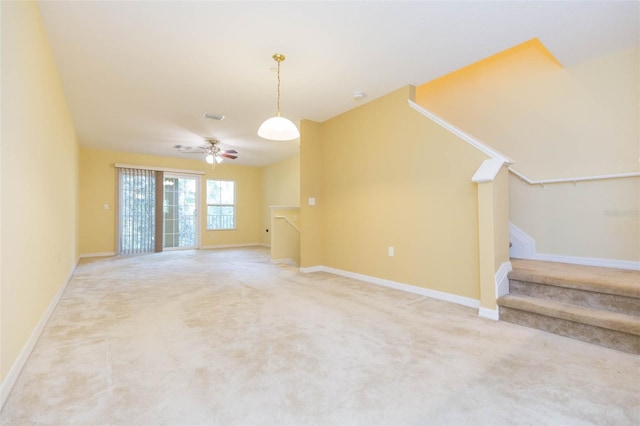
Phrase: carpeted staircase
(595, 305)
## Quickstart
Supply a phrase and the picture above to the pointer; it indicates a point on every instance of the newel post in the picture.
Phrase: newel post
(493, 234)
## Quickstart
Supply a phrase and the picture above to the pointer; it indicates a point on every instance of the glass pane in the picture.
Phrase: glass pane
(220, 192)
(180, 212)
(220, 217)
(213, 192)
(227, 193)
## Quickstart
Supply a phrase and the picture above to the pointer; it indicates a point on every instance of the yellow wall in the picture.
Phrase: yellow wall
(501, 217)
(493, 224)
(594, 219)
(98, 186)
(555, 123)
(285, 235)
(311, 239)
(280, 187)
(39, 178)
(391, 177)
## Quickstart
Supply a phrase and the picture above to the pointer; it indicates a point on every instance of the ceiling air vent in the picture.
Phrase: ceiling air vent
(218, 117)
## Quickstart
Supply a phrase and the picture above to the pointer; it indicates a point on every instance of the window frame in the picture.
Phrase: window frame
(207, 204)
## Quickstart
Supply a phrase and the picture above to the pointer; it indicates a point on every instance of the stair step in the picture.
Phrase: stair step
(601, 327)
(592, 304)
(619, 282)
(576, 296)
(596, 317)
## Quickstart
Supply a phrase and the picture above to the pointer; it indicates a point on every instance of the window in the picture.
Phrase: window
(221, 204)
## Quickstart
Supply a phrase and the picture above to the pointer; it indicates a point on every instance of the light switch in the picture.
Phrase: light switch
(312, 201)
(106, 206)
(390, 250)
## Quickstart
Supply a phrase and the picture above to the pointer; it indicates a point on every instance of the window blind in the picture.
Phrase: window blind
(137, 192)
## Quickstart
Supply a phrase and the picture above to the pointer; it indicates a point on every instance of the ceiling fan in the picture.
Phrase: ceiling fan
(213, 154)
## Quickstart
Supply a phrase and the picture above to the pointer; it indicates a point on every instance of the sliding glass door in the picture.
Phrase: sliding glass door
(157, 211)
(180, 212)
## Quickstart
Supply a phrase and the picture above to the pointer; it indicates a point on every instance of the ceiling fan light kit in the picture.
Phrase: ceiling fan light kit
(278, 128)
(213, 154)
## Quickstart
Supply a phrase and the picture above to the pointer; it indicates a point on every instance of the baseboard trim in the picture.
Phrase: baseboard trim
(12, 377)
(589, 261)
(287, 261)
(219, 246)
(310, 269)
(447, 297)
(492, 314)
(524, 247)
(502, 279)
(101, 254)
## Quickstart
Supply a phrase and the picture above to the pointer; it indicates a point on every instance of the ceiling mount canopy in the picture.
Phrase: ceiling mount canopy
(278, 128)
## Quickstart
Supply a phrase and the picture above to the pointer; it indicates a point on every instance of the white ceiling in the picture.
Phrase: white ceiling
(139, 75)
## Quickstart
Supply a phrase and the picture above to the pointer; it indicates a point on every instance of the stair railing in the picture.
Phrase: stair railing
(286, 219)
(573, 180)
(486, 149)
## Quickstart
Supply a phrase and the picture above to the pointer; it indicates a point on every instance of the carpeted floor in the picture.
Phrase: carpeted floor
(224, 337)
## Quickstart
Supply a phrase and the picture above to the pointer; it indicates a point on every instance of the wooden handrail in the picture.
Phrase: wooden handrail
(289, 222)
(544, 182)
(486, 149)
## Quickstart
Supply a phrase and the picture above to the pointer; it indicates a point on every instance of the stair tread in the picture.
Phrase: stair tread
(596, 317)
(621, 282)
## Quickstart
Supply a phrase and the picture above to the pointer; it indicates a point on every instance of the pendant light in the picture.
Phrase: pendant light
(278, 128)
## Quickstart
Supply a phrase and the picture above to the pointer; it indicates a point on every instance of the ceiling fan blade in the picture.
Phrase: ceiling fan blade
(225, 155)
(231, 151)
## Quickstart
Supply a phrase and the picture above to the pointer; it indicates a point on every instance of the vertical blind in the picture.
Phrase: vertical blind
(136, 211)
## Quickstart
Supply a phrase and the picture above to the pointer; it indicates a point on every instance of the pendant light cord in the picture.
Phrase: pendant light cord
(278, 104)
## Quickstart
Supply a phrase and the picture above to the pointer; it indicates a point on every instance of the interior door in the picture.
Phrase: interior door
(180, 212)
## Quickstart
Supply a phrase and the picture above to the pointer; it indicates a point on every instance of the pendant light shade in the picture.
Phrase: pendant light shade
(278, 128)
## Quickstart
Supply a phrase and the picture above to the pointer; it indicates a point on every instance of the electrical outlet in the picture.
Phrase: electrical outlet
(390, 251)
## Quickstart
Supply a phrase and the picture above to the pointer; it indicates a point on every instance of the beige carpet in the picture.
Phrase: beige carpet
(605, 280)
(224, 337)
